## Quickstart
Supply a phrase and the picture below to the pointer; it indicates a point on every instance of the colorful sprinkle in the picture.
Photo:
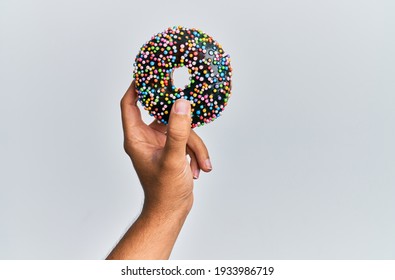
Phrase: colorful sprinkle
(207, 63)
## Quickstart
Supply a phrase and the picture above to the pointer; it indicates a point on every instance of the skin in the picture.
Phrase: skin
(159, 156)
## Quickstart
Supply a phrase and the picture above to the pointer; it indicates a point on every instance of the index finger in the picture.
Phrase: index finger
(131, 115)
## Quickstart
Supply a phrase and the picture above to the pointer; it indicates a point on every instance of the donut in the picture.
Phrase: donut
(208, 65)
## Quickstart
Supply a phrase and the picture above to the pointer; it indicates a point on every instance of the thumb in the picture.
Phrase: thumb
(178, 129)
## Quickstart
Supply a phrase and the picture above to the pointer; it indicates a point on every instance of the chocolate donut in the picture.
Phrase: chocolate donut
(209, 67)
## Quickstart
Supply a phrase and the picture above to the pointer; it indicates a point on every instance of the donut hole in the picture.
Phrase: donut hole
(181, 77)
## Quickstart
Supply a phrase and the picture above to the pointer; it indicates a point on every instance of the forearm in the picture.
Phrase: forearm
(152, 235)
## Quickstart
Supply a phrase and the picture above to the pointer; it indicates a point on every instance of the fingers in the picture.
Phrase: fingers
(194, 164)
(131, 115)
(196, 144)
(178, 130)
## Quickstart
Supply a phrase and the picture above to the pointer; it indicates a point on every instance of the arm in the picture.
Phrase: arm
(152, 236)
(158, 153)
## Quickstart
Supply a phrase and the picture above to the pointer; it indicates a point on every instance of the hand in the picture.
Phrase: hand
(158, 153)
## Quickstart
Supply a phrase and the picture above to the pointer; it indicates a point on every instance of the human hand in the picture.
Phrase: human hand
(158, 153)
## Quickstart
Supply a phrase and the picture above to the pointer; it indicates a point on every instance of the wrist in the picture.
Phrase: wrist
(167, 210)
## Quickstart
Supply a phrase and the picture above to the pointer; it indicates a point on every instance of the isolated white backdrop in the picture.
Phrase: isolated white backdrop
(304, 157)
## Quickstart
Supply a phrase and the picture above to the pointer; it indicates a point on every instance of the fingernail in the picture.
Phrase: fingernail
(208, 164)
(196, 174)
(182, 106)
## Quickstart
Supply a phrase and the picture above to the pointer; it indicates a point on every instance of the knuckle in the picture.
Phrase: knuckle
(176, 133)
(202, 149)
(122, 103)
(127, 147)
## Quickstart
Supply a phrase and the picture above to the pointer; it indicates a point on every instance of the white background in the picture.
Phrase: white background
(303, 156)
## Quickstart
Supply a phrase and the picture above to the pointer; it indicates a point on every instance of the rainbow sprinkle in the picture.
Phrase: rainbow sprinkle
(210, 82)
